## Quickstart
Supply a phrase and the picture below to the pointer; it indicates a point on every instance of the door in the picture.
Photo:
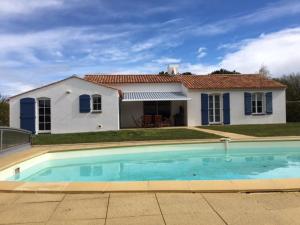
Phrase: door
(27, 114)
(214, 108)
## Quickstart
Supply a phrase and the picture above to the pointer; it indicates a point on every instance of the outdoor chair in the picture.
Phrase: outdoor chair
(148, 121)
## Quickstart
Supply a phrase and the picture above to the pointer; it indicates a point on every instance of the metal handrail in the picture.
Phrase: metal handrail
(13, 137)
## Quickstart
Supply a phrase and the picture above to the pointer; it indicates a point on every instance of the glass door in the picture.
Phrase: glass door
(214, 108)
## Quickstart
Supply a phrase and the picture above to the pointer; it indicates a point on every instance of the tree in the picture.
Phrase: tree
(292, 82)
(4, 111)
(163, 73)
(264, 71)
(224, 71)
(187, 73)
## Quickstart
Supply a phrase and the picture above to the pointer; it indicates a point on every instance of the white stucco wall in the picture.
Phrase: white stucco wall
(237, 114)
(65, 115)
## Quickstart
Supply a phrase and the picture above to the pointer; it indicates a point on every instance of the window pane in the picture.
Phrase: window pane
(47, 111)
(48, 126)
(211, 118)
(41, 103)
(259, 96)
(211, 102)
(259, 103)
(41, 110)
(211, 112)
(47, 103)
(259, 109)
(41, 126)
(217, 118)
(253, 107)
(47, 119)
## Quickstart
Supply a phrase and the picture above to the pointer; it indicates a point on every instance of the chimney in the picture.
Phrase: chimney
(173, 69)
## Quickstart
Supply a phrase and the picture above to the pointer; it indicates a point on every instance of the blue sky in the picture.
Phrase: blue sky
(44, 41)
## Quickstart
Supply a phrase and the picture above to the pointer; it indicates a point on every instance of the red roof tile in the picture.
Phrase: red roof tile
(193, 81)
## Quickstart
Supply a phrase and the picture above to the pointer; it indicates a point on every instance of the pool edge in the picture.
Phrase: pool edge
(216, 186)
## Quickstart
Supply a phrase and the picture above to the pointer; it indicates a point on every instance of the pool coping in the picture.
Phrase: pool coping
(220, 186)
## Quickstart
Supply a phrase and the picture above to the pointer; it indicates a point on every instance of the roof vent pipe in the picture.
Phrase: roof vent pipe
(173, 69)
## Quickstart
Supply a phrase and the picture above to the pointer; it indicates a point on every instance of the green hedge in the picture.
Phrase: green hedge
(293, 111)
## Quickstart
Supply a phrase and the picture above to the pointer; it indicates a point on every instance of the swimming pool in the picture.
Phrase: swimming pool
(211, 161)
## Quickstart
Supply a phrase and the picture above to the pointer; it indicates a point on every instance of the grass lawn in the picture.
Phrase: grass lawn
(289, 129)
(123, 135)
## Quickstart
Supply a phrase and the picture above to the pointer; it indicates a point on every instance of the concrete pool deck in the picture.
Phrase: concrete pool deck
(147, 186)
(150, 209)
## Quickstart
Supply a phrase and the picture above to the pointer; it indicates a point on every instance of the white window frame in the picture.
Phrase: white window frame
(38, 117)
(214, 108)
(92, 103)
(263, 110)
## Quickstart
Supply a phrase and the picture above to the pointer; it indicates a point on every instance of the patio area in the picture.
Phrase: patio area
(150, 209)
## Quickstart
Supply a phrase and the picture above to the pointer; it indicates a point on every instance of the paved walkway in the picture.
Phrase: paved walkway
(150, 209)
(222, 133)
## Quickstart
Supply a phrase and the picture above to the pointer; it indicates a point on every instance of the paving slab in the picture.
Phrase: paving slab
(27, 213)
(77, 222)
(173, 203)
(132, 205)
(39, 197)
(275, 201)
(86, 187)
(6, 198)
(85, 196)
(81, 209)
(237, 210)
(140, 220)
(202, 218)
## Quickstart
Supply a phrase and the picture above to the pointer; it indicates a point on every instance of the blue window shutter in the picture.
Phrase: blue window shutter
(204, 109)
(27, 114)
(247, 102)
(226, 108)
(84, 103)
(269, 103)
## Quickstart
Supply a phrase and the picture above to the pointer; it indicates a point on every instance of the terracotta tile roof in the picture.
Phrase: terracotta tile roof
(121, 79)
(244, 81)
(253, 81)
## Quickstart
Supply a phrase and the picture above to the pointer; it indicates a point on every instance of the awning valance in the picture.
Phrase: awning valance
(154, 96)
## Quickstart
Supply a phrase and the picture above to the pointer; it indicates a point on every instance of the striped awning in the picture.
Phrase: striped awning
(154, 96)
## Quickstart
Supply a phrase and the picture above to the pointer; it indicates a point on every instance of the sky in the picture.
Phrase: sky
(45, 41)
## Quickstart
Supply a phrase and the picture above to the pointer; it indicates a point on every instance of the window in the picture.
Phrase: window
(214, 108)
(97, 105)
(257, 103)
(44, 114)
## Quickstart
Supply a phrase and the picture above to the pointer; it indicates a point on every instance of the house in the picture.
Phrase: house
(112, 102)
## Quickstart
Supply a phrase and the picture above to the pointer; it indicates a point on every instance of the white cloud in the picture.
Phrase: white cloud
(201, 52)
(279, 51)
(197, 68)
(166, 60)
(11, 7)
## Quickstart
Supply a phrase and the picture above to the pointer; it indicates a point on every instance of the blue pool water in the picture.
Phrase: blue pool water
(260, 160)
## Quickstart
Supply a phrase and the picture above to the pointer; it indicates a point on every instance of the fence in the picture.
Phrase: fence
(13, 138)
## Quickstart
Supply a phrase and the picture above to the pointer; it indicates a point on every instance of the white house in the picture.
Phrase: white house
(112, 102)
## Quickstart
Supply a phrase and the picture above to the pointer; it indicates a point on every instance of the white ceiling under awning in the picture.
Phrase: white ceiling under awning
(154, 96)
